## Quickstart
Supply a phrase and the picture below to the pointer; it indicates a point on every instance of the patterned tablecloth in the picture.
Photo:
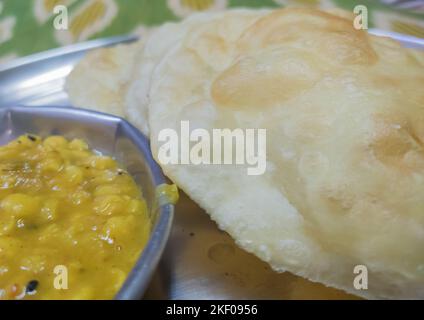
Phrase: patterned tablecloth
(27, 26)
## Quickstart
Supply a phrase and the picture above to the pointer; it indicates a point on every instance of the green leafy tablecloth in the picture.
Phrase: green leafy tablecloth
(26, 26)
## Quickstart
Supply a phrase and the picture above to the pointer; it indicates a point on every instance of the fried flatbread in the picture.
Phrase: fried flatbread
(344, 184)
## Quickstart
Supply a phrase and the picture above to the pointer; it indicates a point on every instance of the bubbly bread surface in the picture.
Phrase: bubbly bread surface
(157, 46)
(344, 117)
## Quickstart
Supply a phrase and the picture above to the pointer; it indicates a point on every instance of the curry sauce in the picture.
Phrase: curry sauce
(72, 221)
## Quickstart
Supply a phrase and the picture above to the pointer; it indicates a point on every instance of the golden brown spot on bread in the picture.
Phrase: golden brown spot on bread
(279, 57)
(333, 36)
(396, 138)
(265, 80)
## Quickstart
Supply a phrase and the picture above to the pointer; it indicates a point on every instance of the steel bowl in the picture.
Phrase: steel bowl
(115, 137)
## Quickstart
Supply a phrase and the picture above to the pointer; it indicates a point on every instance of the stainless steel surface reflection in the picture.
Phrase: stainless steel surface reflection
(38, 79)
(200, 261)
(112, 136)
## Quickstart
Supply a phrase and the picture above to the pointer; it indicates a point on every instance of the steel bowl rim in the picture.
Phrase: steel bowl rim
(138, 279)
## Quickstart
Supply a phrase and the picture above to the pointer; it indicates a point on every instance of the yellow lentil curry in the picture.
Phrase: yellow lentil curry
(72, 222)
